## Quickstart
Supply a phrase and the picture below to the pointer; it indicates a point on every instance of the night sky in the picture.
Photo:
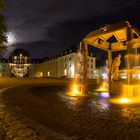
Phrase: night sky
(46, 27)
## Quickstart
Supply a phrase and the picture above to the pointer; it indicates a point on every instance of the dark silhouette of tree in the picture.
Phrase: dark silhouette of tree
(3, 38)
(2, 4)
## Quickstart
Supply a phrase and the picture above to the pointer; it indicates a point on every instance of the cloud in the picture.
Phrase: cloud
(63, 23)
(39, 49)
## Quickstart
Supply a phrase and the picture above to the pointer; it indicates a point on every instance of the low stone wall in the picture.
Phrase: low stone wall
(116, 88)
(128, 90)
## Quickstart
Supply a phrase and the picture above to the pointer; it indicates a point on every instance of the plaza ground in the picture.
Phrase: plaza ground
(80, 118)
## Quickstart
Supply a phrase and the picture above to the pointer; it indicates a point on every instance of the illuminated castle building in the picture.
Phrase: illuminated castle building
(17, 65)
(63, 65)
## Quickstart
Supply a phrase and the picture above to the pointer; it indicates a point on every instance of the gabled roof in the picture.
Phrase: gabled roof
(112, 37)
(19, 51)
(70, 50)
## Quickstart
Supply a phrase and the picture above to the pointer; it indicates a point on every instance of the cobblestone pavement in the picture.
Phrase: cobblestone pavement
(80, 118)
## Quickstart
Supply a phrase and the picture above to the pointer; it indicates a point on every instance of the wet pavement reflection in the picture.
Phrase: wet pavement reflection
(86, 118)
(94, 103)
(99, 102)
(118, 121)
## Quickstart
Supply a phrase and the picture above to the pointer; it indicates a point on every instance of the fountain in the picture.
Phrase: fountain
(111, 38)
(130, 89)
(75, 90)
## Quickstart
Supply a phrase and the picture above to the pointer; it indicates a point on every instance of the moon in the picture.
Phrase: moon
(11, 39)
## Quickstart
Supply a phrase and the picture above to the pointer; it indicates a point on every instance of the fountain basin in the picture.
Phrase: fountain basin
(125, 90)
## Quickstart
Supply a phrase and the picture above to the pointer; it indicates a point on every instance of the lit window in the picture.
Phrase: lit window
(65, 72)
(48, 73)
(65, 52)
(20, 55)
